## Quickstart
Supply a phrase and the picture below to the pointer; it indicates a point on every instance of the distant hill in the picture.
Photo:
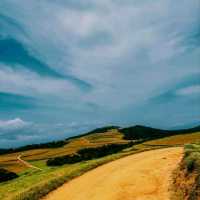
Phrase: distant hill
(137, 132)
(56, 144)
(147, 133)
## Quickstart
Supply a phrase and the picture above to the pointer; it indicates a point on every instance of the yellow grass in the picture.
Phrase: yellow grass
(9, 161)
(177, 139)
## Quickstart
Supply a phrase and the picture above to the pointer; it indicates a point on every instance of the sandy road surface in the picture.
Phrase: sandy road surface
(143, 176)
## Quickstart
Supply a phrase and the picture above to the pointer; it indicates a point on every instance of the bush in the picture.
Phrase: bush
(68, 159)
(88, 154)
(192, 157)
(190, 165)
(6, 175)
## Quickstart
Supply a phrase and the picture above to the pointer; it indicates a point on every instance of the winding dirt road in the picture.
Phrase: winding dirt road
(27, 164)
(143, 176)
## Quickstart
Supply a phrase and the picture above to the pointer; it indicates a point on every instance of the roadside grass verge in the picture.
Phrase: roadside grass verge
(192, 157)
(186, 180)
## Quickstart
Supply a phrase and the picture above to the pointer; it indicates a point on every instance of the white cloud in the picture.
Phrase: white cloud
(13, 124)
(29, 83)
(191, 90)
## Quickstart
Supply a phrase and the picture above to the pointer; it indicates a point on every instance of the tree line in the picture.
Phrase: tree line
(35, 146)
(88, 154)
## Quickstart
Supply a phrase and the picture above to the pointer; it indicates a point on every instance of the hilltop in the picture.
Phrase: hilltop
(139, 132)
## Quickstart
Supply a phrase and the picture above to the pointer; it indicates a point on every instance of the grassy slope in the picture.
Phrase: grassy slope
(176, 140)
(37, 183)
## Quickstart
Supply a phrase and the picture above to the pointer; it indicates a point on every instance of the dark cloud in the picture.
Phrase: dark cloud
(12, 102)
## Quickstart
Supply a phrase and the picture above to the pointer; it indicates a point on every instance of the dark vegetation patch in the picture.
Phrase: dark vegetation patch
(88, 154)
(6, 175)
(148, 133)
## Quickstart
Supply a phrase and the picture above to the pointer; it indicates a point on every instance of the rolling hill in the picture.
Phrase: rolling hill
(137, 132)
(30, 182)
(147, 133)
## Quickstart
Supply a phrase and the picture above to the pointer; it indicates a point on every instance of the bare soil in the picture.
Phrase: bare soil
(143, 176)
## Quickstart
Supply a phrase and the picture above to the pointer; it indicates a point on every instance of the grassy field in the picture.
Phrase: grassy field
(176, 140)
(10, 162)
(33, 184)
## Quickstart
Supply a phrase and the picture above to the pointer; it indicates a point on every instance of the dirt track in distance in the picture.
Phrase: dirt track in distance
(27, 164)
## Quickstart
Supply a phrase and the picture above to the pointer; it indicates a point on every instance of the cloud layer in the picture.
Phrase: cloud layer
(100, 61)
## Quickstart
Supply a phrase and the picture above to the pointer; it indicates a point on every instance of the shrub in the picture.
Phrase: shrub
(190, 165)
(192, 157)
(61, 160)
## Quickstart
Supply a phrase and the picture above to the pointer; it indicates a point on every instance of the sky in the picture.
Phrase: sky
(70, 66)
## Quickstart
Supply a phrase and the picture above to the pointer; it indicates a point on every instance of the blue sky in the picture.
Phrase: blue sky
(70, 66)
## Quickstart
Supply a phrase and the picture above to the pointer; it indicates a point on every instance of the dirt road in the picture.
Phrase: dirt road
(143, 176)
(26, 163)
